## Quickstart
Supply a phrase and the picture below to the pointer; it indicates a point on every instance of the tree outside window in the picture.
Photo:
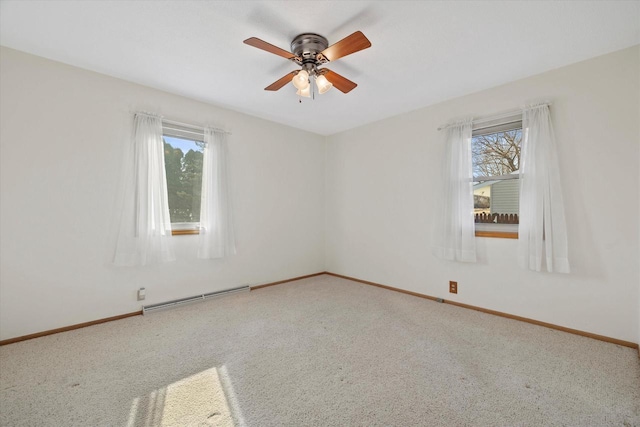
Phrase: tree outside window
(183, 164)
(496, 159)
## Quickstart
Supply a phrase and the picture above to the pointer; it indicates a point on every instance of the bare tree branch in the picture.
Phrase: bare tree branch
(496, 154)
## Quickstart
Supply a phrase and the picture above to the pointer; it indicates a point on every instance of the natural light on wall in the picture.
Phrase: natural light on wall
(198, 400)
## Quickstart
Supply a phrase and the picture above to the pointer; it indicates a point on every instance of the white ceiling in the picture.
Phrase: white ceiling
(423, 52)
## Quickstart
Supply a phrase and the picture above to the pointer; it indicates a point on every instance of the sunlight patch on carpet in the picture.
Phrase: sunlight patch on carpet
(198, 400)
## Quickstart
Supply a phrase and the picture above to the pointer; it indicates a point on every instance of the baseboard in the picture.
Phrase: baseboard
(123, 316)
(69, 328)
(353, 279)
(391, 288)
(253, 288)
(499, 313)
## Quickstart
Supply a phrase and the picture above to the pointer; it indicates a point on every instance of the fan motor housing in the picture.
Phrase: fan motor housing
(307, 46)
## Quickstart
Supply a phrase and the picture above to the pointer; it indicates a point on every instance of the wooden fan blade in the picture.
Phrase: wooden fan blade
(348, 45)
(261, 44)
(278, 84)
(342, 84)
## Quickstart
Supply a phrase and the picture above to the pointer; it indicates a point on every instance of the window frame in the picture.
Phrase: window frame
(503, 124)
(173, 130)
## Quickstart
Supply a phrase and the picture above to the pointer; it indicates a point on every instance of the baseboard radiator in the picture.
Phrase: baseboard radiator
(169, 304)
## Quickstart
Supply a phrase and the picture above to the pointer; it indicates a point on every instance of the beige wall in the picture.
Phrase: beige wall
(63, 131)
(381, 201)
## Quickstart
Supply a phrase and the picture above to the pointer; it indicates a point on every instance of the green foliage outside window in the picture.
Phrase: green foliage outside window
(184, 181)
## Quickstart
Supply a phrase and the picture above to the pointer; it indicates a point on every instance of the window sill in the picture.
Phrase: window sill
(498, 234)
(182, 228)
(183, 232)
(501, 231)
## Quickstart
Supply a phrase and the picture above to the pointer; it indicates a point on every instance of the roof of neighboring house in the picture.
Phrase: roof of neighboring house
(490, 183)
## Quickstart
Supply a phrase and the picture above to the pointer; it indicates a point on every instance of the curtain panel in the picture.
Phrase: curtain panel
(217, 238)
(455, 232)
(144, 234)
(542, 232)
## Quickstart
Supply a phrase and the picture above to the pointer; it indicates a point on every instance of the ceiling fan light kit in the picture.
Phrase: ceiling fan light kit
(310, 51)
(301, 80)
(306, 93)
(323, 84)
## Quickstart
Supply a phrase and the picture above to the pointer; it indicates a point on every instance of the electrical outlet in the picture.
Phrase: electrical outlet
(453, 287)
(141, 294)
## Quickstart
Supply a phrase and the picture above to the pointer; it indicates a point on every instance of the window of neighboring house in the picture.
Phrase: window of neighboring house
(183, 156)
(495, 151)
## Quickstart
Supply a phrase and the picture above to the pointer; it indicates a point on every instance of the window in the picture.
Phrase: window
(495, 149)
(183, 157)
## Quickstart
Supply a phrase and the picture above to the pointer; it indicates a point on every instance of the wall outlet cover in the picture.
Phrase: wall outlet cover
(453, 287)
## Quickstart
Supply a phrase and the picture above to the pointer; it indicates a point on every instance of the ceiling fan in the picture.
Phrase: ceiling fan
(310, 51)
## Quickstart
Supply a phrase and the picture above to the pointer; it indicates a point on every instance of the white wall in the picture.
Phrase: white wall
(381, 190)
(63, 131)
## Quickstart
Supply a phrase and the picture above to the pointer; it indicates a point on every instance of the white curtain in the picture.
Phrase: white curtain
(216, 221)
(144, 235)
(455, 233)
(542, 233)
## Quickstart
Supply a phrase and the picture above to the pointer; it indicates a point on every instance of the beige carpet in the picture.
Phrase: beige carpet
(318, 352)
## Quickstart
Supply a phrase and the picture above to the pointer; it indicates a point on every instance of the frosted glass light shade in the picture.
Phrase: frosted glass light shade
(306, 92)
(301, 80)
(323, 84)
